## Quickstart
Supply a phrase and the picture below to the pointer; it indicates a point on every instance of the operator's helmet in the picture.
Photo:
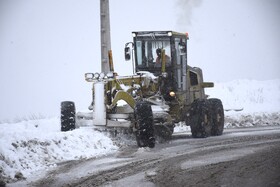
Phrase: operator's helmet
(158, 52)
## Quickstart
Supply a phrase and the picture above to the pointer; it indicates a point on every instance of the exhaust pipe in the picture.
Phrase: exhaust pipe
(99, 109)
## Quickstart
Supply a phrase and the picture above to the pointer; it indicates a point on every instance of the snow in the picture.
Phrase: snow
(259, 101)
(251, 95)
(137, 180)
(33, 146)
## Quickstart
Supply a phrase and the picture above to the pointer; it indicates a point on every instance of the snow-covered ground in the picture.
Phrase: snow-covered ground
(251, 95)
(33, 146)
(259, 101)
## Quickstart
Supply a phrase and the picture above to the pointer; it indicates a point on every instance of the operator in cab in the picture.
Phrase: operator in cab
(159, 60)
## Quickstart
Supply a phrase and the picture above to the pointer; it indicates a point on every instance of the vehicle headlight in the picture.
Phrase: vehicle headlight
(89, 76)
(110, 75)
(102, 75)
(96, 75)
(172, 94)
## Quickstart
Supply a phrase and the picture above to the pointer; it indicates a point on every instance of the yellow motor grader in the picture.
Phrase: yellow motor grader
(163, 90)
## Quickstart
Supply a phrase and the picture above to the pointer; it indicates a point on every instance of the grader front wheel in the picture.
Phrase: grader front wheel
(144, 125)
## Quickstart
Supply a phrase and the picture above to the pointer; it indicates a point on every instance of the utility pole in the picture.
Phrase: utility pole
(105, 35)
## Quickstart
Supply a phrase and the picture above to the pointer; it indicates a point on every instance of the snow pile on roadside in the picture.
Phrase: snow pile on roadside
(251, 95)
(241, 120)
(250, 120)
(181, 127)
(35, 145)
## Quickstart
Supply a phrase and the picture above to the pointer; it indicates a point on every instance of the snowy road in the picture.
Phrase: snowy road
(234, 159)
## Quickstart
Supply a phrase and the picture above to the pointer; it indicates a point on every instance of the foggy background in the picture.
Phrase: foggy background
(46, 46)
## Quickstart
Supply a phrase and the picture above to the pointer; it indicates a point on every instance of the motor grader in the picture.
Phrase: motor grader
(163, 90)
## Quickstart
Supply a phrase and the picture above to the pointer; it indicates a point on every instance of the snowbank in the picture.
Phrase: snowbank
(31, 146)
(250, 120)
(249, 95)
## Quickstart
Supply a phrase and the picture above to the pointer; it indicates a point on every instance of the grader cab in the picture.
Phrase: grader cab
(162, 91)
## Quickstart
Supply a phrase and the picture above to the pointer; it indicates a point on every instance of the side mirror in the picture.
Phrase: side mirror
(182, 48)
(127, 53)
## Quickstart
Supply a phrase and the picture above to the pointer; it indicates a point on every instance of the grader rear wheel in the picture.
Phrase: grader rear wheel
(217, 111)
(200, 118)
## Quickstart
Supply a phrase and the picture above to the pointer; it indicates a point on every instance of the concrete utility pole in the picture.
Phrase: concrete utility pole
(105, 35)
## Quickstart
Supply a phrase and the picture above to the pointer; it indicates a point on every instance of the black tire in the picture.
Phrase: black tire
(171, 127)
(164, 131)
(144, 125)
(2, 183)
(217, 111)
(68, 116)
(200, 118)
